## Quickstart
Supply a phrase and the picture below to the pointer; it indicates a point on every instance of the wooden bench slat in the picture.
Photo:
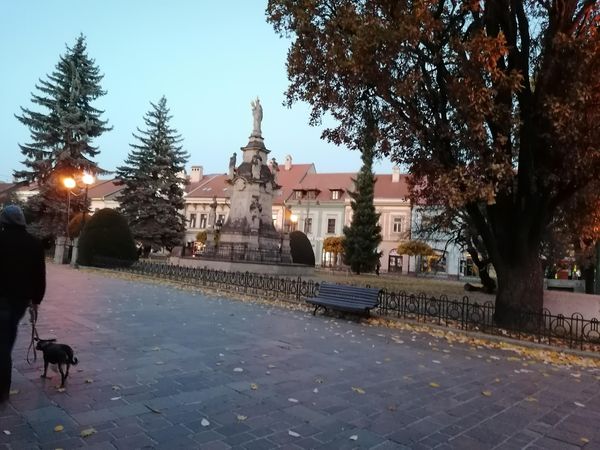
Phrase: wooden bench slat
(345, 298)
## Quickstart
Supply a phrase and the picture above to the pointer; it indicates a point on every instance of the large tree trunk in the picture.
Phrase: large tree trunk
(520, 288)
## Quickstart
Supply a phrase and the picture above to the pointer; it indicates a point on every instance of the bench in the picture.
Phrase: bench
(345, 298)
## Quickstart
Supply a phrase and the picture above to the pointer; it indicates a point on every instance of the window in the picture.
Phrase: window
(330, 226)
(335, 194)
(192, 220)
(308, 225)
(202, 220)
(311, 195)
(397, 225)
(274, 217)
(221, 219)
(297, 195)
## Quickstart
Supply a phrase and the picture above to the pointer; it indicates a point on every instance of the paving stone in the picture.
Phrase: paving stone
(174, 351)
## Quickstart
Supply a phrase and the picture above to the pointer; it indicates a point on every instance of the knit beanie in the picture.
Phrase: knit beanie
(12, 215)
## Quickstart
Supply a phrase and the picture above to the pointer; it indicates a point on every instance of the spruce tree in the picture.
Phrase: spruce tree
(364, 233)
(62, 135)
(152, 200)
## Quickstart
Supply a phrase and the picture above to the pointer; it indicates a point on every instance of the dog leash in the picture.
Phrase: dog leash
(33, 316)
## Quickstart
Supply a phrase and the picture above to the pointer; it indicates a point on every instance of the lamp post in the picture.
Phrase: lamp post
(87, 179)
(69, 183)
(294, 220)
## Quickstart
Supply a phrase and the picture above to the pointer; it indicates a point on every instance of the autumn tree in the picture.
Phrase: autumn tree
(63, 128)
(493, 107)
(152, 198)
(414, 248)
(335, 245)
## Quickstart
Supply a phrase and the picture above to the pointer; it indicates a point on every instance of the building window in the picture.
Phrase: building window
(308, 225)
(335, 195)
(192, 220)
(202, 220)
(297, 195)
(330, 226)
(274, 217)
(311, 195)
(397, 225)
(221, 219)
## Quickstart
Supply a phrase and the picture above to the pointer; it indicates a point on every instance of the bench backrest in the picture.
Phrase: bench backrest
(350, 294)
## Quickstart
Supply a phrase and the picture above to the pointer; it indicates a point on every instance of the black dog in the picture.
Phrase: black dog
(56, 354)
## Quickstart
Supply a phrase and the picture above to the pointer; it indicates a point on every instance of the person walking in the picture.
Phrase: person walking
(22, 284)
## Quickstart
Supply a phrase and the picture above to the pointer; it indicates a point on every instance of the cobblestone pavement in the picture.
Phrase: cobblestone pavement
(167, 368)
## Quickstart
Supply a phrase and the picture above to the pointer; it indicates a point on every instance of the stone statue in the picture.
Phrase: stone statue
(212, 215)
(257, 114)
(274, 169)
(256, 163)
(255, 211)
(232, 165)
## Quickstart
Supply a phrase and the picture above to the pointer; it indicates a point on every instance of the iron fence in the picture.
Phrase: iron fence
(544, 327)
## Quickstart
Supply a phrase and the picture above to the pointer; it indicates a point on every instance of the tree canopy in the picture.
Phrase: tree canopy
(492, 106)
(62, 135)
(152, 199)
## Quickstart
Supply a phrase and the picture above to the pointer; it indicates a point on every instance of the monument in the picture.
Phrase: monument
(248, 233)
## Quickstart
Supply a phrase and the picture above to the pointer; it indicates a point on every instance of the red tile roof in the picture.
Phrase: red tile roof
(287, 179)
(209, 186)
(327, 182)
(104, 188)
(386, 188)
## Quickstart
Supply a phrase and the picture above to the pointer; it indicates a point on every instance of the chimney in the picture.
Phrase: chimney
(395, 174)
(196, 174)
(288, 162)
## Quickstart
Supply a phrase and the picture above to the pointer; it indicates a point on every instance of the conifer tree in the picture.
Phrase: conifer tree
(62, 136)
(152, 200)
(363, 236)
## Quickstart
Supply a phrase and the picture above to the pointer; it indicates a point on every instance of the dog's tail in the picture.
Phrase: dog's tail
(74, 361)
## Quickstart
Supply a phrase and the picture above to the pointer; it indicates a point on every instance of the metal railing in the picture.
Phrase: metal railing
(544, 327)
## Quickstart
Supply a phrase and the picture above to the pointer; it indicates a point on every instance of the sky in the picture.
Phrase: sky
(209, 58)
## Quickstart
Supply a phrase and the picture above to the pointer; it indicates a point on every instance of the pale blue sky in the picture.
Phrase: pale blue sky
(209, 58)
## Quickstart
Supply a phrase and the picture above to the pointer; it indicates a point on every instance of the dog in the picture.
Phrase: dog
(60, 354)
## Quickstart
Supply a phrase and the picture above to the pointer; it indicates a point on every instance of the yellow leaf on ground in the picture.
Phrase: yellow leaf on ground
(87, 432)
(434, 385)
(584, 440)
(486, 393)
(14, 392)
(254, 386)
(358, 390)
(497, 380)
(58, 428)
(531, 399)
(241, 418)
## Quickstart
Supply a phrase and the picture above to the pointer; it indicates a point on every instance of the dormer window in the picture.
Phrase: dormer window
(297, 195)
(335, 194)
(311, 195)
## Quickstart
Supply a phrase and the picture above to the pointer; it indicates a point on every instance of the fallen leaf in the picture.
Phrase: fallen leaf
(89, 381)
(319, 380)
(354, 437)
(241, 418)
(316, 390)
(497, 380)
(293, 433)
(584, 440)
(254, 386)
(14, 392)
(6, 432)
(434, 385)
(531, 399)
(238, 369)
(87, 432)
(293, 400)
(159, 363)
(58, 428)
(486, 393)
(581, 405)
(61, 389)
(358, 390)
(204, 423)
(115, 398)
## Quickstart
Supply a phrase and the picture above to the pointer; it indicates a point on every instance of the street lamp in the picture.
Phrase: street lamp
(69, 183)
(294, 220)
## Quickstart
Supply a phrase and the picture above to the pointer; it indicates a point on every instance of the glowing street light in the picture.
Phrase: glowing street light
(294, 220)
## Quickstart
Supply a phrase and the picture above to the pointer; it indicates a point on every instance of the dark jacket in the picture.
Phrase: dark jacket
(22, 266)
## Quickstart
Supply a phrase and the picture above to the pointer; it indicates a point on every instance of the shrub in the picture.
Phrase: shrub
(75, 224)
(106, 241)
(301, 250)
(201, 237)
